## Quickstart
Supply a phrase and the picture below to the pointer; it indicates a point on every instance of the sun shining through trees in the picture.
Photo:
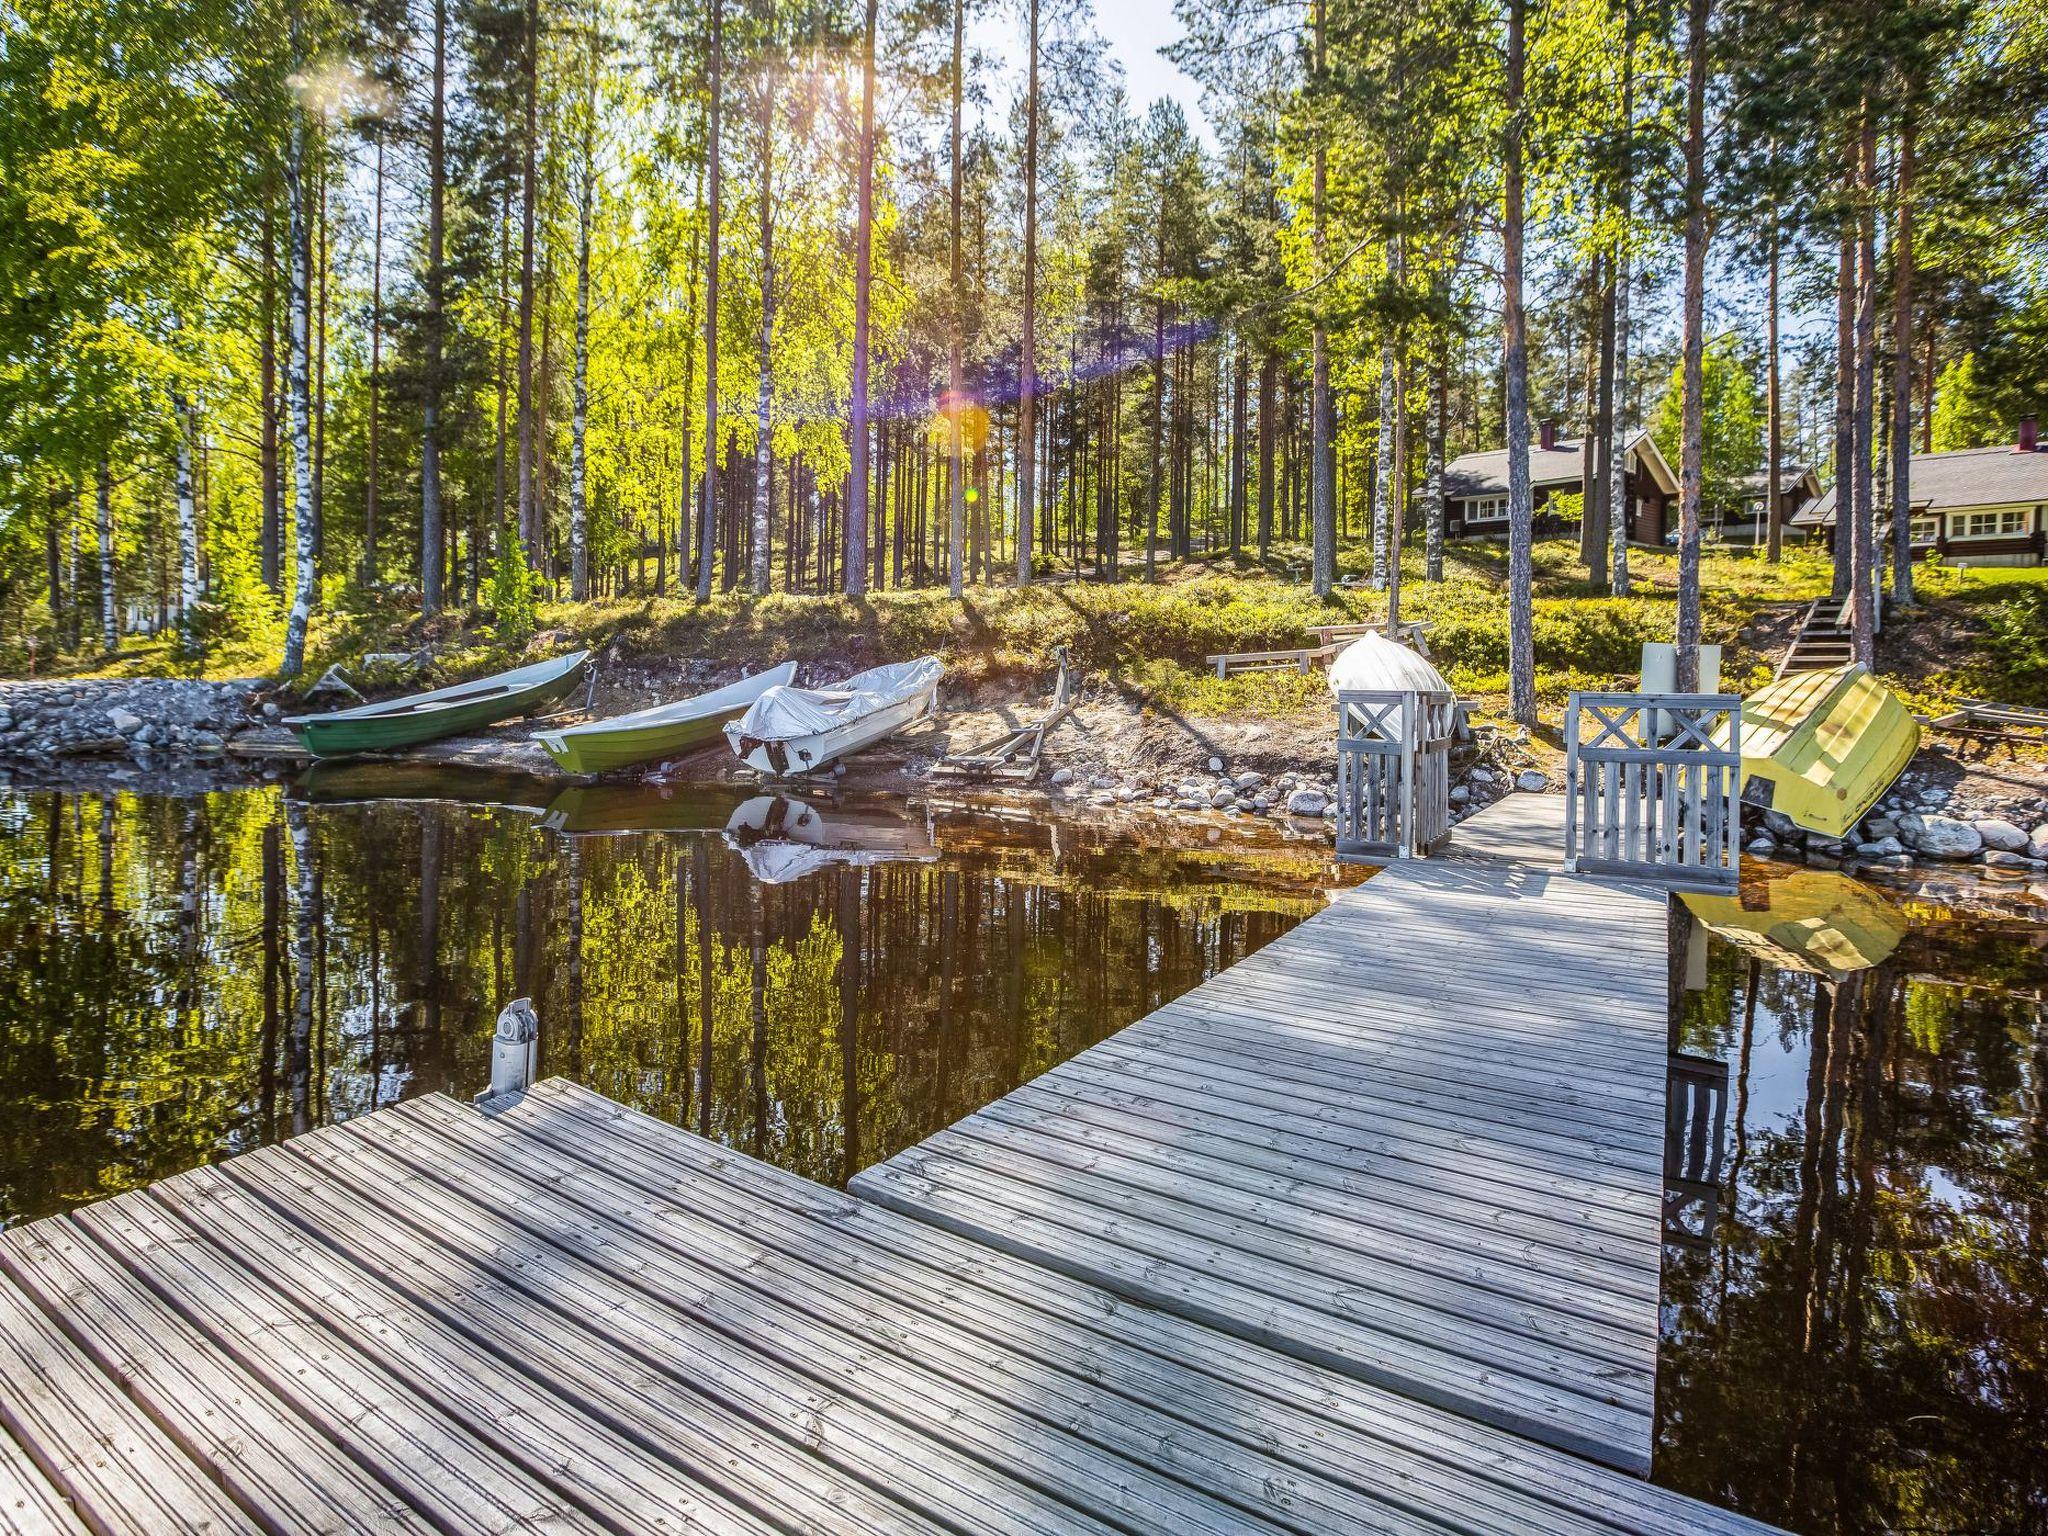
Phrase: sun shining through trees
(315, 309)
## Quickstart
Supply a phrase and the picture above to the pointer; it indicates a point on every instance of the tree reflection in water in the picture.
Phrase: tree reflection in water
(1862, 1348)
(196, 975)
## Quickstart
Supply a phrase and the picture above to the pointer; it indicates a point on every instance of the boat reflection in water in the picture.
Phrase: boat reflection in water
(783, 838)
(1794, 919)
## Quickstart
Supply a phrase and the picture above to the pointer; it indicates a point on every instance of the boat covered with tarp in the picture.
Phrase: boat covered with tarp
(1374, 664)
(782, 838)
(791, 731)
(665, 730)
(419, 717)
(1820, 747)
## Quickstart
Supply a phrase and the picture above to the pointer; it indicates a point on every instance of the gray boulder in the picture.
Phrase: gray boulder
(2001, 836)
(1880, 848)
(1941, 837)
(123, 722)
(1760, 847)
(1305, 802)
(2037, 841)
(1531, 782)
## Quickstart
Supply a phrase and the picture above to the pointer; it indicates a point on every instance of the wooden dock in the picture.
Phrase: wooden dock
(1418, 1139)
(567, 1316)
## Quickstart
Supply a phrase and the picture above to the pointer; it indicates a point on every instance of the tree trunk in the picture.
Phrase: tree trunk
(1397, 494)
(110, 630)
(1845, 387)
(579, 373)
(1383, 459)
(1619, 508)
(707, 540)
(1027, 380)
(956, 380)
(270, 536)
(1862, 621)
(1599, 507)
(1515, 329)
(1774, 428)
(1692, 407)
(369, 576)
(188, 517)
(1902, 369)
(764, 387)
(1152, 485)
(298, 402)
(430, 408)
(1433, 492)
(529, 493)
(1322, 425)
(1269, 384)
(863, 277)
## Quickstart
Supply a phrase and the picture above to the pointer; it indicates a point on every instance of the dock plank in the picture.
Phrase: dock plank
(1485, 973)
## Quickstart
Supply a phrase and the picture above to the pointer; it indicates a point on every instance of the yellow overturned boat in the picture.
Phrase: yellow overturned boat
(1820, 747)
(1812, 920)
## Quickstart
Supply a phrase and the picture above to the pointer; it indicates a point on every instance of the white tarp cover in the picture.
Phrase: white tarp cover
(1375, 664)
(790, 714)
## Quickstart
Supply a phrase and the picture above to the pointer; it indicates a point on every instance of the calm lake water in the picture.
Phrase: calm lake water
(1858, 1344)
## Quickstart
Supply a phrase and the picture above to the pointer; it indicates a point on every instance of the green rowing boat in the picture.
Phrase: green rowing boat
(666, 730)
(422, 717)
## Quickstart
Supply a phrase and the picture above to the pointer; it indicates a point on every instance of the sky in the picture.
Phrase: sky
(1135, 31)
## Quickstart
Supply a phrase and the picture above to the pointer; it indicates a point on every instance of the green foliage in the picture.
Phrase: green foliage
(514, 588)
(1732, 424)
(2019, 643)
(1966, 414)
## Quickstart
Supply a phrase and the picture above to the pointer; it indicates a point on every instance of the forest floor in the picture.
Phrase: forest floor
(1152, 711)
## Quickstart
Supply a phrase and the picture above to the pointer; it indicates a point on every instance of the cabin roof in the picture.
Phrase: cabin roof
(1486, 474)
(1791, 477)
(1951, 482)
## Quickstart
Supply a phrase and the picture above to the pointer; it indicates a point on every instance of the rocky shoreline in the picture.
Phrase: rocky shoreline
(1920, 821)
(137, 719)
(1934, 816)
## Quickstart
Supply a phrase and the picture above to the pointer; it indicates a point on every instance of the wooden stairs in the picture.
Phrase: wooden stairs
(1824, 640)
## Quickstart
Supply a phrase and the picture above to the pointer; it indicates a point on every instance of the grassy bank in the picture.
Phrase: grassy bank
(1979, 633)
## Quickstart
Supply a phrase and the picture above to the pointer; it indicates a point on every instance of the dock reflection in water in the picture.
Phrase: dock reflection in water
(1862, 1343)
(191, 976)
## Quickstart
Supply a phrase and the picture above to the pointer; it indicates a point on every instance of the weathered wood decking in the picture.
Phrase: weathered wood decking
(570, 1317)
(1419, 1139)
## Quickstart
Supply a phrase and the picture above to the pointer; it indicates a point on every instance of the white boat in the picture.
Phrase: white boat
(791, 731)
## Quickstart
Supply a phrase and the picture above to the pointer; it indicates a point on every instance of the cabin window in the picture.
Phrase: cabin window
(2003, 524)
(1486, 509)
(1926, 529)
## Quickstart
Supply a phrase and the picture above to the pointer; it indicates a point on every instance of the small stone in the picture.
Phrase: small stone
(1779, 825)
(1247, 782)
(1223, 799)
(1760, 847)
(123, 721)
(1880, 848)
(1263, 801)
(1460, 794)
(1061, 776)
(1305, 802)
(2001, 836)
(270, 710)
(1482, 775)
(1215, 765)
(2037, 841)
(1531, 782)
(1190, 803)
(1827, 847)
(1880, 826)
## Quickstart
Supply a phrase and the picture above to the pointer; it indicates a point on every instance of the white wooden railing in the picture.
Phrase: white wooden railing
(1393, 773)
(1651, 784)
